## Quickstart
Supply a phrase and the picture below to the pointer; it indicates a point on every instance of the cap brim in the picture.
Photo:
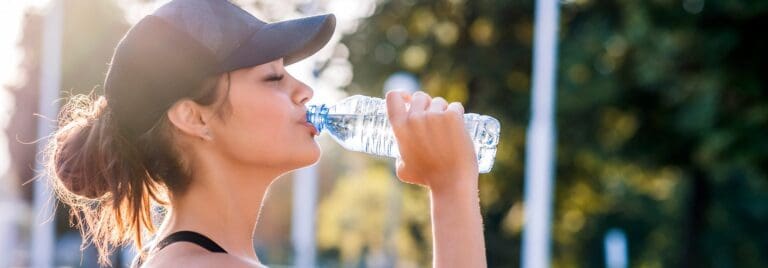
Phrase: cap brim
(292, 40)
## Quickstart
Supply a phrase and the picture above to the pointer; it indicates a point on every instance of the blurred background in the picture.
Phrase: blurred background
(661, 113)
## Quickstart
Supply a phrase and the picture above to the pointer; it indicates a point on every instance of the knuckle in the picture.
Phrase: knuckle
(456, 108)
(418, 116)
(422, 96)
(438, 104)
(433, 114)
(442, 116)
(455, 117)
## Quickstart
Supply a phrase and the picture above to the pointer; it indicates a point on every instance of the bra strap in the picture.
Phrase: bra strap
(192, 237)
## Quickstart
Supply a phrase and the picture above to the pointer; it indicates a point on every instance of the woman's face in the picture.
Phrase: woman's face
(265, 124)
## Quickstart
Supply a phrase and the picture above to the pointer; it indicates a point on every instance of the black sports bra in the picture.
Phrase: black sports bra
(192, 237)
(184, 236)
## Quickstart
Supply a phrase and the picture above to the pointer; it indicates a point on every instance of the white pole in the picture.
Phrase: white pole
(304, 191)
(303, 220)
(11, 208)
(615, 244)
(50, 77)
(540, 143)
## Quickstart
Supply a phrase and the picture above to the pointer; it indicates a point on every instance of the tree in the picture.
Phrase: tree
(661, 112)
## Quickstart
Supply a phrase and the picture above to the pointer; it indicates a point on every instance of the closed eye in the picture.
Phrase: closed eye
(274, 78)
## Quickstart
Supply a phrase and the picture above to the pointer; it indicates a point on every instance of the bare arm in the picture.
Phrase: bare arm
(457, 228)
(438, 153)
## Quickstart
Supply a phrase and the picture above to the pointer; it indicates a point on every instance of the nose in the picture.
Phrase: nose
(302, 93)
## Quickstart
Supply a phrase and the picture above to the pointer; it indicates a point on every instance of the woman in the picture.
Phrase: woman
(200, 117)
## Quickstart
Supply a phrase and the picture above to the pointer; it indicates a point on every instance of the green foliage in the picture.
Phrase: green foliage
(661, 113)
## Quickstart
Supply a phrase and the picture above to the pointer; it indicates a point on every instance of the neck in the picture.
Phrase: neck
(222, 203)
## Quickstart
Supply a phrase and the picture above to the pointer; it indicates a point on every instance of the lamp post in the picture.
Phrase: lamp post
(615, 245)
(540, 144)
(43, 233)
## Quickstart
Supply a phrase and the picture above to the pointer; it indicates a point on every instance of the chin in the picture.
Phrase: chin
(306, 158)
(313, 156)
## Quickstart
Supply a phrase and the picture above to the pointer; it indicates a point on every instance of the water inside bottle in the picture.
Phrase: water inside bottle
(360, 123)
(363, 133)
(372, 134)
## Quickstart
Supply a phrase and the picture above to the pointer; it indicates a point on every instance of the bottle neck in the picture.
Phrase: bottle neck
(317, 115)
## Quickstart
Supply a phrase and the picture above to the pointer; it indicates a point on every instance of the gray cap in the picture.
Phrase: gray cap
(167, 55)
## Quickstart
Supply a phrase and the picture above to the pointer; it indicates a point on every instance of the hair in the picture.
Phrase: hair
(110, 182)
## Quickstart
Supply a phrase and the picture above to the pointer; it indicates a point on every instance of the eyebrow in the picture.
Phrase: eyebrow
(273, 68)
(274, 71)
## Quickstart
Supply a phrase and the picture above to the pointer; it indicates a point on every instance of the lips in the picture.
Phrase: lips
(303, 121)
(311, 128)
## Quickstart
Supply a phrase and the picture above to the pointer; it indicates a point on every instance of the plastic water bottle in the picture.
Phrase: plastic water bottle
(359, 123)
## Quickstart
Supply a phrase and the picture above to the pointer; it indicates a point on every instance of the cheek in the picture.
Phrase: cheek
(259, 128)
(261, 120)
(264, 128)
(258, 107)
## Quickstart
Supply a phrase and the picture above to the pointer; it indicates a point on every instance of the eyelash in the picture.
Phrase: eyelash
(274, 78)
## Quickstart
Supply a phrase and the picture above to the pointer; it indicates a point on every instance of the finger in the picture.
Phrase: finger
(404, 93)
(456, 108)
(396, 111)
(438, 105)
(419, 102)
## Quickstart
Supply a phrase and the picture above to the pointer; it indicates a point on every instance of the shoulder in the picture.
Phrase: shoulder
(190, 255)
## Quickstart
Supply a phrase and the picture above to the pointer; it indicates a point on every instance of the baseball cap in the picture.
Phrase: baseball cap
(168, 54)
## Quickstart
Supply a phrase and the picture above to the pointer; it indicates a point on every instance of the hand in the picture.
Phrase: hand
(437, 152)
(435, 149)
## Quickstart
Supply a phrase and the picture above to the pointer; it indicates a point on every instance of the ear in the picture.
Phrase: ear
(188, 117)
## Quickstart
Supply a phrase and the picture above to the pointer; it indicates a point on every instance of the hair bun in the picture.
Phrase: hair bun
(71, 160)
(81, 146)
